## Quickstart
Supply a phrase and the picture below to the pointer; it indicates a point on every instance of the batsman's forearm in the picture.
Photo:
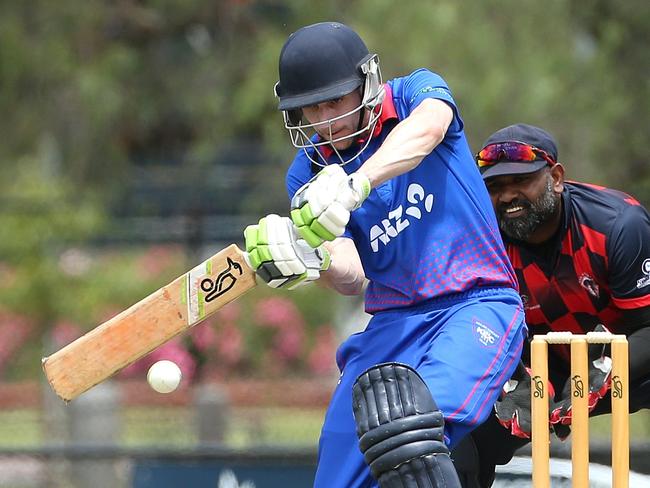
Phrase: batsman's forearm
(409, 142)
(346, 282)
(345, 274)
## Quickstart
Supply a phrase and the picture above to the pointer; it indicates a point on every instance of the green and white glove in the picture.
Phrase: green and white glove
(279, 256)
(321, 208)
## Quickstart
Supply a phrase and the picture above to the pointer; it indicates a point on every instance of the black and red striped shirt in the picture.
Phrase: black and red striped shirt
(595, 270)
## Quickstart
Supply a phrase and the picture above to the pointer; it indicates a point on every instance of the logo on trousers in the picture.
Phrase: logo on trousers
(486, 336)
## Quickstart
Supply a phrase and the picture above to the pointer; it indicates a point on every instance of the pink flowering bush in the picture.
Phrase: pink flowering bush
(281, 316)
(262, 336)
(266, 333)
(321, 356)
(15, 330)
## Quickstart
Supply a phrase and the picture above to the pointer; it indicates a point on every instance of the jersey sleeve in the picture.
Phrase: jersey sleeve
(295, 178)
(422, 84)
(628, 253)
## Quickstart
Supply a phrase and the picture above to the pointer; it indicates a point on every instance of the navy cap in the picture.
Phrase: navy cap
(527, 134)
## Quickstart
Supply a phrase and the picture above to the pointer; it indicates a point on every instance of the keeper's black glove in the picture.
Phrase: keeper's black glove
(600, 378)
(513, 408)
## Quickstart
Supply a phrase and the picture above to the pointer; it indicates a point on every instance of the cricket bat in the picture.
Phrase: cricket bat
(152, 321)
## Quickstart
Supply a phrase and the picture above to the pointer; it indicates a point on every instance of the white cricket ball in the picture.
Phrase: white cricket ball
(164, 376)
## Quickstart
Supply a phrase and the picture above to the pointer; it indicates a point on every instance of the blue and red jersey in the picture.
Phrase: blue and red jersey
(430, 232)
(595, 270)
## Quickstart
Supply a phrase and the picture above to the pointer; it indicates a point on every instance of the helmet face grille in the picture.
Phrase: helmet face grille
(323, 62)
(304, 135)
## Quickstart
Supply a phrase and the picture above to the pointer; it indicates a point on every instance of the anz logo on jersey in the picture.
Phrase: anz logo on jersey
(400, 218)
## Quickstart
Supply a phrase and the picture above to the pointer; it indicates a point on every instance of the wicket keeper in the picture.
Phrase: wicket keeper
(581, 253)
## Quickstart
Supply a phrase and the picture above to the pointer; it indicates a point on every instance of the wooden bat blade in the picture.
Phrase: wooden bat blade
(154, 320)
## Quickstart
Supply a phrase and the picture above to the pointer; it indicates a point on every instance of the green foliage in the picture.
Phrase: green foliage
(268, 333)
(41, 214)
(93, 92)
(114, 83)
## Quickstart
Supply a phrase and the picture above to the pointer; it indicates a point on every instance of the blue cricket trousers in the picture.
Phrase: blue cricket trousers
(465, 347)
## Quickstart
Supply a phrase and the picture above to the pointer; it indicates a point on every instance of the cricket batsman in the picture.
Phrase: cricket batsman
(386, 200)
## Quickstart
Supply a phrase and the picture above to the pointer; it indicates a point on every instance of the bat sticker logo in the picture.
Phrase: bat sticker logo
(222, 283)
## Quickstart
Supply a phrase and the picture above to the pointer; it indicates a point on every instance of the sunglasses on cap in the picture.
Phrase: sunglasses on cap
(512, 151)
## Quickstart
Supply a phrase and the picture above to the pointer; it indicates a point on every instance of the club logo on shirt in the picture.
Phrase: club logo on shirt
(397, 221)
(589, 284)
(432, 89)
(485, 334)
(645, 269)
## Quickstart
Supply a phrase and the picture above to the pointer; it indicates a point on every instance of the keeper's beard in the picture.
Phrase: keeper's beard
(534, 215)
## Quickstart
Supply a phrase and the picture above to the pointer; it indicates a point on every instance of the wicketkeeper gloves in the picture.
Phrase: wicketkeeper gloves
(321, 208)
(600, 379)
(513, 408)
(279, 256)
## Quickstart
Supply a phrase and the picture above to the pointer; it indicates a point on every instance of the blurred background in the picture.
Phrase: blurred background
(139, 137)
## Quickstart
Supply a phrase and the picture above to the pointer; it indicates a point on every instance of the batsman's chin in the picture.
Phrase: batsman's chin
(340, 141)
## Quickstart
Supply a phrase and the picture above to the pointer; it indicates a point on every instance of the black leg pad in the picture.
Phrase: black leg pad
(401, 429)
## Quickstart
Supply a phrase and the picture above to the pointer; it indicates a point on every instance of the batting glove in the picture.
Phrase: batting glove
(279, 256)
(321, 208)
(600, 379)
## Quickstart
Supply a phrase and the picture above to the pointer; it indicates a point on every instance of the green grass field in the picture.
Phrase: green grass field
(176, 426)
